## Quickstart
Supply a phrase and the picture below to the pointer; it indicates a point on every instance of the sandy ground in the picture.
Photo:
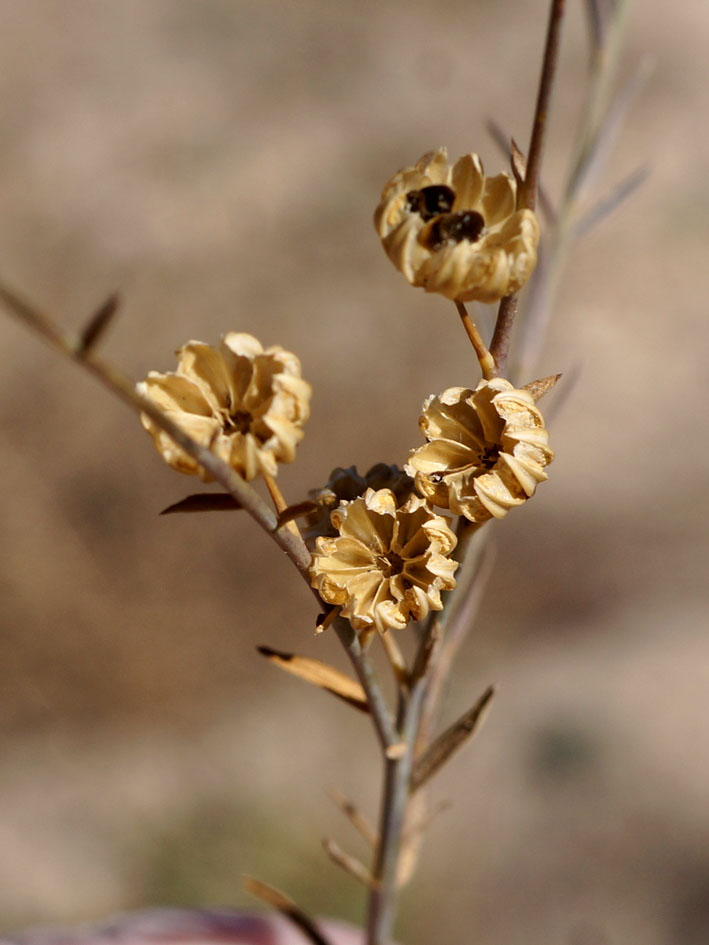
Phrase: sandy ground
(218, 162)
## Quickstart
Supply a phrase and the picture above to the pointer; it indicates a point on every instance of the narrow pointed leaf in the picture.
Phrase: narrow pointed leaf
(296, 511)
(98, 323)
(204, 502)
(319, 674)
(602, 138)
(450, 741)
(518, 162)
(606, 205)
(286, 906)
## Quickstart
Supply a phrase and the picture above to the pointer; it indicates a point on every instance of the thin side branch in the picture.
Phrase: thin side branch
(487, 363)
(382, 901)
(280, 505)
(527, 195)
(355, 816)
(350, 864)
(381, 716)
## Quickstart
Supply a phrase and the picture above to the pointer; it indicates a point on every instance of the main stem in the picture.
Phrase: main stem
(397, 776)
(527, 197)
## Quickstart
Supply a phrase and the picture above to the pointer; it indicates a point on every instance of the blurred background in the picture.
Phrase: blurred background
(218, 163)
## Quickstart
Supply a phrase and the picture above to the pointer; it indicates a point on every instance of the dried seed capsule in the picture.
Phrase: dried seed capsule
(483, 256)
(487, 450)
(388, 562)
(246, 403)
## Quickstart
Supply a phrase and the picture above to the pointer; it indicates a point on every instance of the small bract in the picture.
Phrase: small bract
(246, 403)
(452, 230)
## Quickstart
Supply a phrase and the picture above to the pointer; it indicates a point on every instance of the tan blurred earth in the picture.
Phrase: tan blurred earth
(218, 163)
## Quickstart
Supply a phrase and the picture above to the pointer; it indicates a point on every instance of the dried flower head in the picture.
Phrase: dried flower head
(344, 485)
(248, 404)
(388, 563)
(455, 231)
(486, 451)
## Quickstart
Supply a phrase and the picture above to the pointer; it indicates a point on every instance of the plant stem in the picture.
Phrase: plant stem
(458, 623)
(120, 385)
(527, 196)
(73, 348)
(487, 362)
(546, 279)
(502, 335)
(397, 776)
(381, 717)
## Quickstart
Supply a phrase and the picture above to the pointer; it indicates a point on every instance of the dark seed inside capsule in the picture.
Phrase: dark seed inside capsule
(453, 227)
(489, 456)
(430, 201)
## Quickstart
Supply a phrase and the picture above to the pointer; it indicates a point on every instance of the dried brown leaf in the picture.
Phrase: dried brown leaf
(286, 906)
(296, 511)
(319, 674)
(96, 326)
(450, 741)
(204, 502)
